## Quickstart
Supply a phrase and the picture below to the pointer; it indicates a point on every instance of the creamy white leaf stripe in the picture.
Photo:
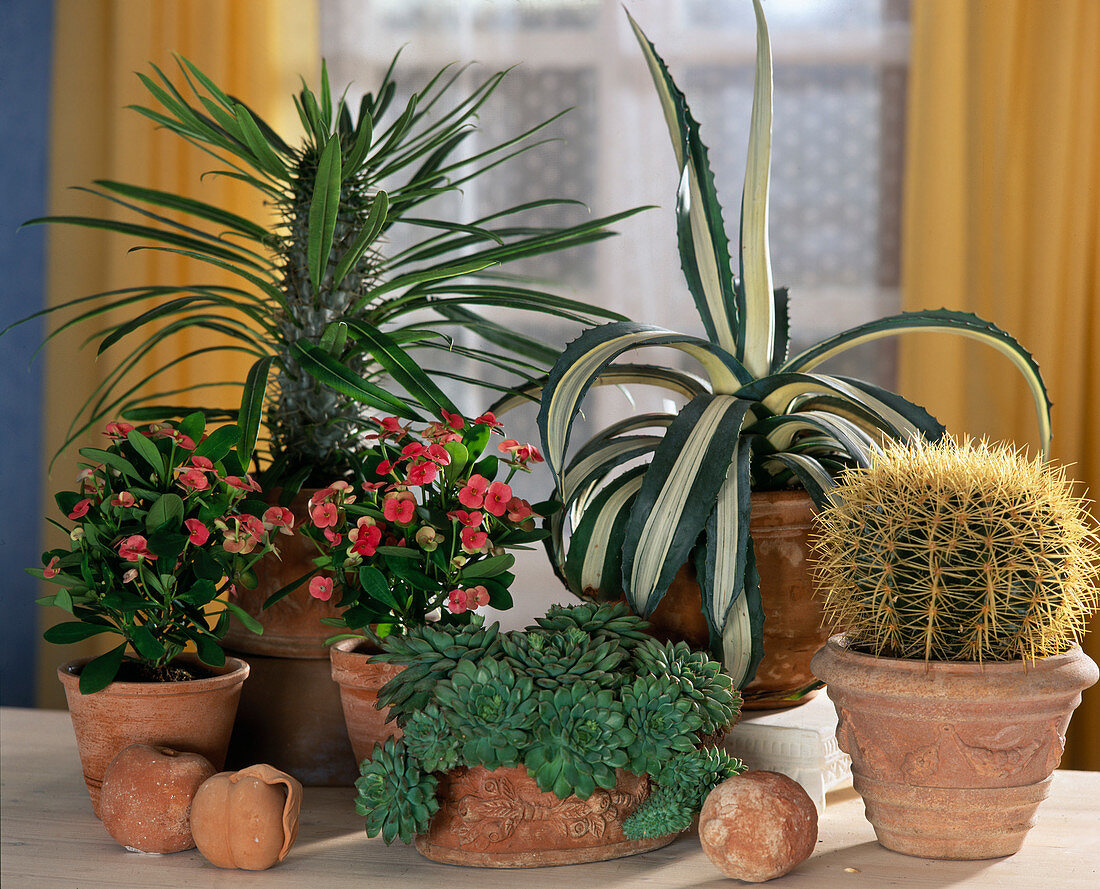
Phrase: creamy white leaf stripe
(594, 556)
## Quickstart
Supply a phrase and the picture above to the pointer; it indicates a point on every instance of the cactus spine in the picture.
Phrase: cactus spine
(967, 552)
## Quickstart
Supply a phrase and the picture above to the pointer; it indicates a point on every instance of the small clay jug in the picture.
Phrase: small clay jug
(246, 819)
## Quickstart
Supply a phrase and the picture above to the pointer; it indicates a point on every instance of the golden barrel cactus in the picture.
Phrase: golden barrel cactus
(966, 552)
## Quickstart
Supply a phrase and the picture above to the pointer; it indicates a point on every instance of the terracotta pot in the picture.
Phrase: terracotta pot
(292, 627)
(195, 716)
(952, 758)
(290, 717)
(359, 683)
(780, 526)
(246, 819)
(500, 818)
(290, 712)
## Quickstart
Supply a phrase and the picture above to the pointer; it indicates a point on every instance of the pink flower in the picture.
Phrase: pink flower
(422, 473)
(241, 484)
(196, 479)
(80, 508)
(374, 486)
(321, 588)
(365, 540)
(474, 541)
(473, 494)
(325, 515)
(332, 537)
(518, 510)
(385, 467)
(125, 499)
(51, 570)
(130, 575)
(279, 517)
(398, 509)
(478, 595)
(118, 429)
(198, 533)
(456, 601)
(469, 519)
(412, 450)
(497, 497)
(440, 432)
(135, 548)
(252, 526)
(185, 441)
(455, 421)
(490, 420)
(439, 454)
(391, 424)
(521, 454)
(202, 463)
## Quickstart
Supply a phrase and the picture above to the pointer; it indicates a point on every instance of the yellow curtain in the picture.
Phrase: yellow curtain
(255, 49)
(1002, 218)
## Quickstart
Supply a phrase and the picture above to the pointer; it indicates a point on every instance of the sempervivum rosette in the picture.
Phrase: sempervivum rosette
(430, 741)
(699, 679)
(580, 739)
(492, 711)
(394, 793)
(610, 621)
(661, 721)
(555, 659)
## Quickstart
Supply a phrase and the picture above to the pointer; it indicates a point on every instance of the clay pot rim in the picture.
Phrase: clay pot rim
(348, 647)
(233, 672)
(838, 645)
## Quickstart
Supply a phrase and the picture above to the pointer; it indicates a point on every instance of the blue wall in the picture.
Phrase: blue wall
(25, 51)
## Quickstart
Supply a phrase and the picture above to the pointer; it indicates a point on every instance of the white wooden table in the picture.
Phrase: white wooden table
(49, 838)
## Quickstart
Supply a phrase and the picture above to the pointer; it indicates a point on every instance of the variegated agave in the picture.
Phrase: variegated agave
(324, 301)
(754, 419)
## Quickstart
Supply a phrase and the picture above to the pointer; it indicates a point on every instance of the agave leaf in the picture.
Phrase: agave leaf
(597, 462)
(585, 359)
(681, 484)
(323, 210)
(817, 481)
(781, 432)
(594, 561)
(782, 334)
(941, 321)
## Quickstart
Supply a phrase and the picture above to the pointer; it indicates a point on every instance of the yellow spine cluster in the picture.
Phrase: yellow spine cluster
(941, 551)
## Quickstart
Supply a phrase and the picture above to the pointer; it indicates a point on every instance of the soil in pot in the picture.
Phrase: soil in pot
(780, 526)
(359, 682)
(952, 758)
(194, 715)
(500, 818)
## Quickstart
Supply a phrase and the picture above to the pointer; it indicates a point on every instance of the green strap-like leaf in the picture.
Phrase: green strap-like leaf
(687, 471)
(373, 224)
(938, 321)
(252, 406)
(404, 370)
(756, 326)
(100, 672)
(322, 211)
(585, 360)
(319, 364)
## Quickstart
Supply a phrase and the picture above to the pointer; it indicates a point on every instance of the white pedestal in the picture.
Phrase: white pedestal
(799, 742)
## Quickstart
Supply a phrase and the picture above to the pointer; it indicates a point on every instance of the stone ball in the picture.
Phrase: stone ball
(758, 826)
(145, 803)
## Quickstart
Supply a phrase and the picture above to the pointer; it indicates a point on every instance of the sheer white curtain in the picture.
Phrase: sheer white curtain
(840, 73)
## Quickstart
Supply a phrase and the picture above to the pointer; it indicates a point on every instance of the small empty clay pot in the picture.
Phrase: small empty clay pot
(246, 819)
(145, 801)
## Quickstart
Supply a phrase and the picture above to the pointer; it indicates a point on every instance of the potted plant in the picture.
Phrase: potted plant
(422, 534)
(578, 739)
(961, 578)
(757, 444)
(164, 525)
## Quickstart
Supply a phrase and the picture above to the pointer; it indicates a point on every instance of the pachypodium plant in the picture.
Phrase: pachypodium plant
(648, 494)
(358, 269)
(424, 528)
(473, 696)
(165, 521)
(957, 552)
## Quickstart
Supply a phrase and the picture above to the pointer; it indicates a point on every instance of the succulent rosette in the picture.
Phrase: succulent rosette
(579, 741)
(563, 698)
(421, 526)
(164, 522)
(492, 711)
(394, 793)
(698, 678)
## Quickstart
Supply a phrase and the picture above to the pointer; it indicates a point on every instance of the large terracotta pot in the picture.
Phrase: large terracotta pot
(290, 712)
(359, 682)
(952, 758)
(780, 524)
(500, 818)
(195, 716)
